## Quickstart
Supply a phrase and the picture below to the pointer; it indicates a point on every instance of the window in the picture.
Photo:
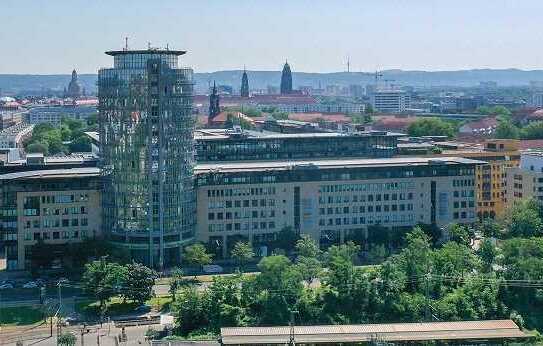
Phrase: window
(84, 222)
(75, 222)
(56, 235)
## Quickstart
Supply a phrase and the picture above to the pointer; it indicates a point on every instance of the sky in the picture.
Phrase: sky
(55, 36)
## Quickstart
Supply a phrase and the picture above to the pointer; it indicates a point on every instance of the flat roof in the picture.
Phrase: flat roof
(279, 165)
(461, 330)
(146, 51)
(248, 134)
(52, 173)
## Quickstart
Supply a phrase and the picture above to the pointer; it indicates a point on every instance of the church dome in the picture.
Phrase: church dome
(74, 88)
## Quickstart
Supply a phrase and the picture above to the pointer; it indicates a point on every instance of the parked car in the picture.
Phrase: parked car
(142, 309)
(213, 269)
(30, 284)
(6, 286)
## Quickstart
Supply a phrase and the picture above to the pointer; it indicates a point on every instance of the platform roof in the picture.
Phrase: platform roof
(462, 330)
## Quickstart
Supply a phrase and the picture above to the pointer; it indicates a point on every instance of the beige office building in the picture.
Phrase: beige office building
(525, 181)
(331, 200)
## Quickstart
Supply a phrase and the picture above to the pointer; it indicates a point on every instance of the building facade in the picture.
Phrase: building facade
(147, 152)
(53, 114)
(526, 180)
(224, 145)
(56, 206)
(389, 99)
(331, 200)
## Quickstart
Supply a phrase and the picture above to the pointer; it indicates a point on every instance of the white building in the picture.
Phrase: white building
(13, 137)
(389, 99)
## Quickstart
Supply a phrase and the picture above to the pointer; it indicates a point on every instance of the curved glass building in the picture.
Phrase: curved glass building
(147, 154)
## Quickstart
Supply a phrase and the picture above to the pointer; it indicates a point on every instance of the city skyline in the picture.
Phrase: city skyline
(419, 35)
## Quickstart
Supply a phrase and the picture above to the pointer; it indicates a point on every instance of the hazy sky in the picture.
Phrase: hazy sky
(54, 36)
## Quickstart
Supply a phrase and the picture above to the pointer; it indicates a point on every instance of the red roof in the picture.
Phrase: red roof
(479, 125)
(531, 144)
(392, 123)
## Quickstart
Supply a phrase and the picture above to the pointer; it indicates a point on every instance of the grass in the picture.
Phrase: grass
(20, 316)
(116, 306)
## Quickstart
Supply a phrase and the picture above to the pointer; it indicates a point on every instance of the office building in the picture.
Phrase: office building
(389, 99)
(58, 206)
(331, 200)
(53, 114)
(244, 145)
(147, 152)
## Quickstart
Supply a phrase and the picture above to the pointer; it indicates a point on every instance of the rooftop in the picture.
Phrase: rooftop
(210, 134)
(53, 173)
(335, 334)
(146, 51)
(245, 166)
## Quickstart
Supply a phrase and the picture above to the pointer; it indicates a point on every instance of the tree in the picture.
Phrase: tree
(38, 147)
(307, 247)
(190, 310)
(506, 130)
(487, 253)
(242, 252)
(197, 255)
(533, 131)
(430, 127)
(81, 144)
(66, 339)
(177, 280)
(286, 239)
(523, 219)
(460, 233)
(103, 279)
(139, 282)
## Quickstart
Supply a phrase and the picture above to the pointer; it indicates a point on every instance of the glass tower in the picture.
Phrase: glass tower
(147, 154)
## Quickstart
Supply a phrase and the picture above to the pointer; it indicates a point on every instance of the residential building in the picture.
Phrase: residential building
(56, 206)
(526, 180)
(13, 137)
(147, 154)
(53, 114)
(331, 200)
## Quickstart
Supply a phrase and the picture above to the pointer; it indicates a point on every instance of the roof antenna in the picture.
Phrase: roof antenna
(126, 43)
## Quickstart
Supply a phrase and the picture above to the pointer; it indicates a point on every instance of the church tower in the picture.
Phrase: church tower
(214, 108)
(286, 80)
(244, 91)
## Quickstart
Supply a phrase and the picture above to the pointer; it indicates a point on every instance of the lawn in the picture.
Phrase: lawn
(20, 316)
(116, 306)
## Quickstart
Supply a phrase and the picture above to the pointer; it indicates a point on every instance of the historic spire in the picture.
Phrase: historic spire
(244, 91)
(286, 80)
(214, 108)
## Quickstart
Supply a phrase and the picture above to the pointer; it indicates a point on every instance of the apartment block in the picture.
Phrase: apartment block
(525, 181)
(58, 206)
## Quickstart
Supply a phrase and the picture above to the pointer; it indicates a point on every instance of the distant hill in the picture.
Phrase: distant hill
(261, 79)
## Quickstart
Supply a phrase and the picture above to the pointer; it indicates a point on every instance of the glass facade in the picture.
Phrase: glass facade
(242, 148)
(147, 146)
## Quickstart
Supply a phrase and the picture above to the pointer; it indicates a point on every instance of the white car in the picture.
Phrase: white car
(5, 286)
(30, 284)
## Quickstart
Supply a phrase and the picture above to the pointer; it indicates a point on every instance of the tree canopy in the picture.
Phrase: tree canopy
(431, 127)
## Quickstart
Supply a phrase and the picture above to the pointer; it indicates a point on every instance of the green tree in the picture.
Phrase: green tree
(197, 255)
(460, 233)
(532, 131)
(487, 253)
(286, 239)
(177, 281)
(523, 219)
(430, 127)
(242, 252)
(103, 279)
(506, 130)
(66, 339)
(139, 282)
(80, 144)
(38, 147)
(190, 310)
(307, 247)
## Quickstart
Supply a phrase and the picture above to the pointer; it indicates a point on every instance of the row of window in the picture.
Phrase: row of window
(367, 187)
(253, 191)
(241, 203)
(362, 209)
(55, 235)
(64, 198)
(238, 215)
(463, 182)
(219, 227)
(367, 220)
(366, 198)
(464, 204)
(55, 223)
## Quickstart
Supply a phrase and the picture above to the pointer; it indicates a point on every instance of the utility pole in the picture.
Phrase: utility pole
(82, 336)
(59, 325)
(427, 297)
